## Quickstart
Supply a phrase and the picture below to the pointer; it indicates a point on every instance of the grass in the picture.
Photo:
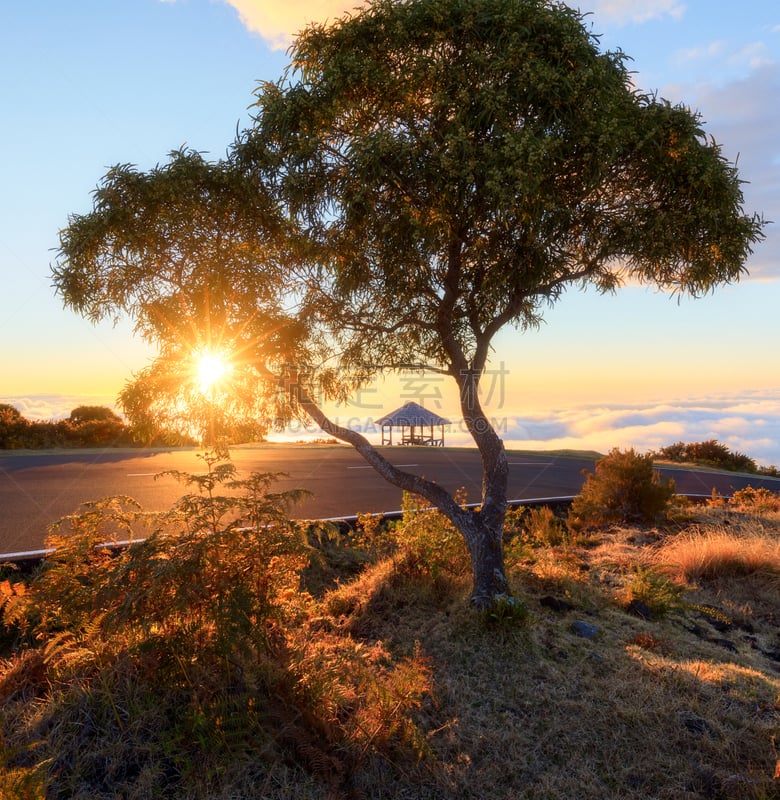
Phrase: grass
(380, 683)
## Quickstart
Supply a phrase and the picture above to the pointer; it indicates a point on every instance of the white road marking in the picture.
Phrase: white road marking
(396, 465)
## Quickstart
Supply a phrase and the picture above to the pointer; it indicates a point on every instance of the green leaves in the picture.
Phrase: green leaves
(492, 152)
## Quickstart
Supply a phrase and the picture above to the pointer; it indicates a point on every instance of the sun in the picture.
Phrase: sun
(211, 368)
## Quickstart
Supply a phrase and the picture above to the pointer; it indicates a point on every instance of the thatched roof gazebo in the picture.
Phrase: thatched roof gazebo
(413, 420)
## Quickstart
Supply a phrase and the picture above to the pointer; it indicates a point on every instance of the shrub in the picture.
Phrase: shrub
(428, 542)
(84, 414)
(719, 554)
(710, 453)
(661, 595)
(13, 427)
(624, 489)
(755, 501)
(544, 528)
(533, 527)
(159, 668)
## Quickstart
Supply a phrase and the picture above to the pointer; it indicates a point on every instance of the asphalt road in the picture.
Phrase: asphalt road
(39, 488)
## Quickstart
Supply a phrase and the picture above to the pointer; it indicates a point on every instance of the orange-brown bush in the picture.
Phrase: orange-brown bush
(624, 488)
(755, 500)
(700, 554)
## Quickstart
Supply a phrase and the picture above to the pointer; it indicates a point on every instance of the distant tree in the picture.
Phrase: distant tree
(711, 453)
(13, 427)
(94, 426)
(92, 413)
(10, 415)
(426, 174)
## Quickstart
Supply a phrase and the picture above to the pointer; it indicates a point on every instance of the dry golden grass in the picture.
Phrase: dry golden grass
(672, 707)
(682, 706)
(706, 553)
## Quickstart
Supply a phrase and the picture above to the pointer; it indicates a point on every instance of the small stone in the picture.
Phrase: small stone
(695, 724)
(597, 658)
(774, 655)
(555, 603)
(640, 609)
(584, 629)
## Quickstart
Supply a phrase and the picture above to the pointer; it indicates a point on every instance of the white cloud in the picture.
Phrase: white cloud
(752, 56)
(747, 423)
(637, 11)
(744, 116)
(39, 407)
(711, 50)
(755, 55)
(277, 22)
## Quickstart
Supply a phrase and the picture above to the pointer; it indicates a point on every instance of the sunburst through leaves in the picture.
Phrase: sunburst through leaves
(212, 367)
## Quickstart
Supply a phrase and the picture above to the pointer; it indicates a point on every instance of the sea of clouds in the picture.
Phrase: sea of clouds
(48, 407)
(746, 422)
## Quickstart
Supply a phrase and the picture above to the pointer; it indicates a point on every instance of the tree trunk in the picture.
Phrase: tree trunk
(482, 529)
(485, 528)
(487, 561)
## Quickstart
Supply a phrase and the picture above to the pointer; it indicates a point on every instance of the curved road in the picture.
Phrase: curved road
(38, 488)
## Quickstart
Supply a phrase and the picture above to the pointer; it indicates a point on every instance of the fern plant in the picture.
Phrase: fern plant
(189, 649)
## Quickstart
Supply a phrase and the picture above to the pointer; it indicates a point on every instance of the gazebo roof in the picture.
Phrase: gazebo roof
(411, 414)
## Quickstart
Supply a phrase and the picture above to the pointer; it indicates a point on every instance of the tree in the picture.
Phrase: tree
(711, 452)
(425, 174)
(178, 249)
(82, 414)
(13, 427)
(91, 426)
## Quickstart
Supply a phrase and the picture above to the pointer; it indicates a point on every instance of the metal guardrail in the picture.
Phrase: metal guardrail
(30, 558)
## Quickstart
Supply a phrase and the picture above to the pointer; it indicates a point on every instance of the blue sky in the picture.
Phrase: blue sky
(91, 83)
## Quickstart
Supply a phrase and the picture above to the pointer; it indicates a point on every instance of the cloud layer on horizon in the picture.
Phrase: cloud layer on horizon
(746, 422)
(47, 407)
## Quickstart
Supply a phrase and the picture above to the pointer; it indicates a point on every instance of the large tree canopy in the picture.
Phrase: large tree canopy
(192, 252)
(425, 174)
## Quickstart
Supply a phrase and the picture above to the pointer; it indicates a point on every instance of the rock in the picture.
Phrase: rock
(774, 655)
(696, 724)
(640, 609)
(555, 603)
(584, 629)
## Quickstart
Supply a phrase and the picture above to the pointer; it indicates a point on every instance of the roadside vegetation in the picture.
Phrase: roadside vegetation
(85, 426)
(233, 653)
(99, 426)
(712, 454)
